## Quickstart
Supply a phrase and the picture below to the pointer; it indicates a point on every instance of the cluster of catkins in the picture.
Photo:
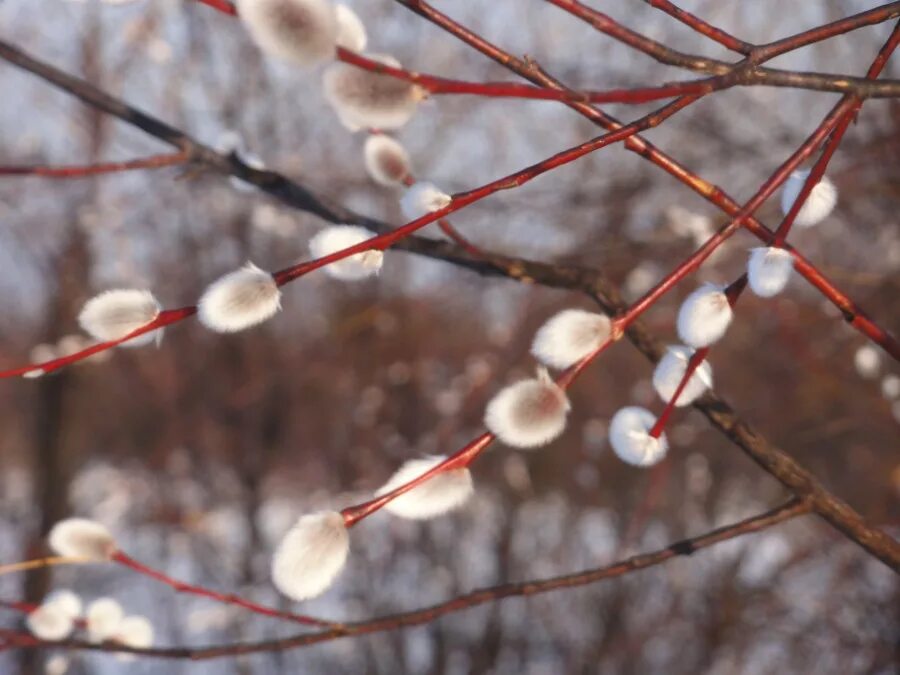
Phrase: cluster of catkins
(533, 412)
(102, 620)
(526, 414)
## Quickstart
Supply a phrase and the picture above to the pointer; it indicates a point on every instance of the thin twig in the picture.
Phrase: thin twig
(791, 509)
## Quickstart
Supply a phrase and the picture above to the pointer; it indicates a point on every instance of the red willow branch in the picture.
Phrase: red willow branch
(720, 414)
(734, 291)
(757, 54)
(451, 232)
(225, 598)
(464, 457)
(383, 241)
(224, 6)
(686, 547)
(463, 199)
(152, 162)
(741, 74)
(700, 26)
(770, 458)
(852, 312)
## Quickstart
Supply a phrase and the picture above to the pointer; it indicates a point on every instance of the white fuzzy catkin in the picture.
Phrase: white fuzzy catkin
(529, 413)
(339, 237)
(867, 361)
(311, 555)
(366, 100)
(114, 314)
(240, 299)
(50, 622)
(890, 387)
(569, 336)
(671, 369)
(630, 438)
(67, 602)
(387, 162)
(57, 664)
(351, 33)
(42, 353)
(133, 631)
(704, 316)
(81, 538)
(421, 198)
(442, 492)
(769, 270)
(303, 32)
(821, 201)
(102, 618)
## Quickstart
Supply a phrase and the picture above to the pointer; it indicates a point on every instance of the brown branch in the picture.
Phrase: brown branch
(744, 73)
(756, 55)
(686, 547)
(699, 25)
(152, 162)
(741, 74)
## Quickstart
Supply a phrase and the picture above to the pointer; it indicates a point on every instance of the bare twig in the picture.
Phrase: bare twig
(152, 162)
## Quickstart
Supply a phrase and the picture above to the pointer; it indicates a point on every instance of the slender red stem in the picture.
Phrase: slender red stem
(435, 85)
(724, 38)
(384, 241)
(463, 199)
(467, 454)
(733, 294)
(451, 231)
(222, 5)
(152, 162)
(227, 598)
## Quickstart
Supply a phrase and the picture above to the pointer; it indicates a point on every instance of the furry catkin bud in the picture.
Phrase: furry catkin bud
(867, 361)
(821, 201)
(311, 555)
(133, 631)
(57, 664)
(442, 492)
(569, 336)
(82, 538)
(351, 32)
(66, 601)
(303, 32)
(671, 369)
(529, 413)
(363, 99)
(422, 198)
(769, 270)
(114, 314)
(340, 237)
(630, 438)
(102, 619)
(240, 299)
(387, 162)
(704, 316)
(50, 622)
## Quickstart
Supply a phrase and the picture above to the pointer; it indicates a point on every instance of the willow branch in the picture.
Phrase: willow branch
(851, 311)
(83, 171)
(686, 547)
(775, 461)
(697, 24)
